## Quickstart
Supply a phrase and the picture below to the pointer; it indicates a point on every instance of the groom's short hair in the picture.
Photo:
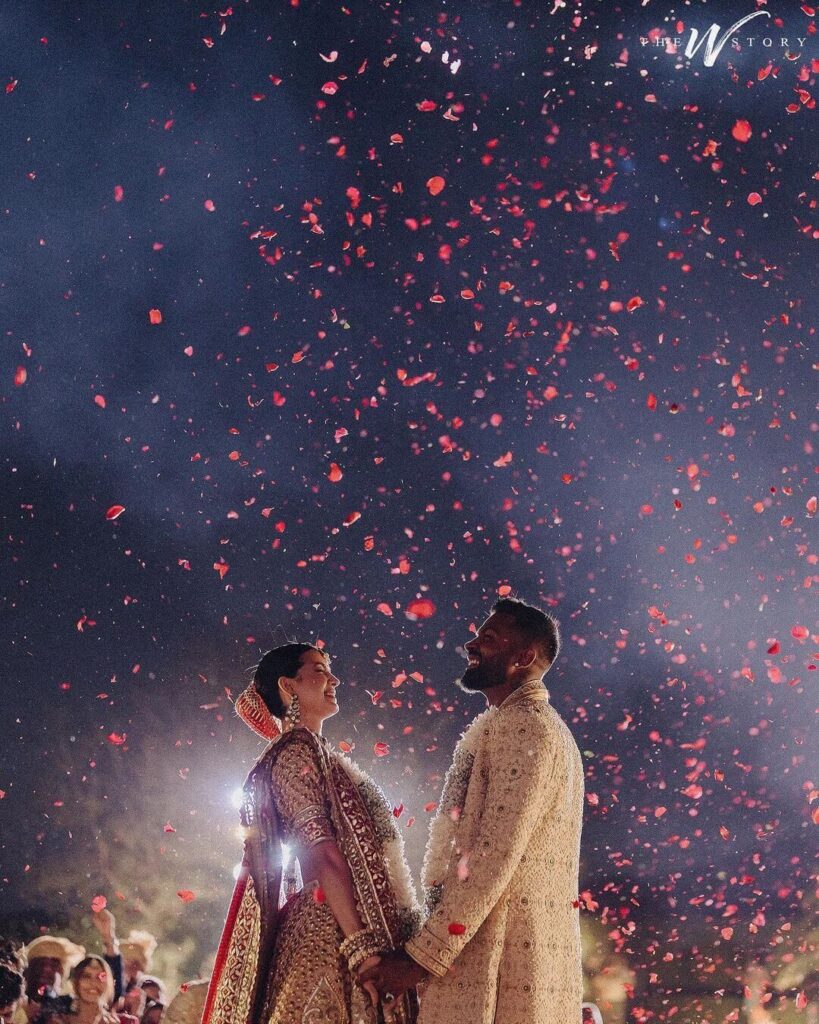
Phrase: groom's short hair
(537, 627)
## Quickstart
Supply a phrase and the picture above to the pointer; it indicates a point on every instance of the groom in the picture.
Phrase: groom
(501, 944)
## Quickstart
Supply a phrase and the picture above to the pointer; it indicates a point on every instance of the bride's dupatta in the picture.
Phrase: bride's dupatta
(238, 987)
(363, 852)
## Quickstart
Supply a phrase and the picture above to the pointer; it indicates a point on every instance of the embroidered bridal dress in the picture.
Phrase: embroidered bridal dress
(279, 960)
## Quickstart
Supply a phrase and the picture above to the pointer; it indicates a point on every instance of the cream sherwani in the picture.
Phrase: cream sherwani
(502, 941)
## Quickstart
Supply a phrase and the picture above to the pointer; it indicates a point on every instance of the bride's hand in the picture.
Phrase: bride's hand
(368, 986)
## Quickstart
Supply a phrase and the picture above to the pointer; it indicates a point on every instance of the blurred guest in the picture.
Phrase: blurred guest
(12, 983)
(610, 986)
(50, 958)
(187, 1005)
(137, 951)
(154, 1012)
(757, 994)
(153, 988)
(134, 1001)
(106, 924)
(93, 985)
(810, 991)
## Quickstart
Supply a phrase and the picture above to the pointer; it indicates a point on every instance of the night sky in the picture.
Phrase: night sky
(336, 322)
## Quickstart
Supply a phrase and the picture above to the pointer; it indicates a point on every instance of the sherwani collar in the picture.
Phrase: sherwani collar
(532, 689)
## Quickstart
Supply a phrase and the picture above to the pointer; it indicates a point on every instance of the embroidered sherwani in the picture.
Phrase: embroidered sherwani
(502, 941)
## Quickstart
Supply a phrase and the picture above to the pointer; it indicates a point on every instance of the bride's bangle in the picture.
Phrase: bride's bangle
(358, 947)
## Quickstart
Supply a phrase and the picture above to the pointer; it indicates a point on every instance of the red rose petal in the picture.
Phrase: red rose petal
(423, 608)
(741, 131)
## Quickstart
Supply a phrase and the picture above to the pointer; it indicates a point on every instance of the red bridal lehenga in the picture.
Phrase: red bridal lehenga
(278, 961)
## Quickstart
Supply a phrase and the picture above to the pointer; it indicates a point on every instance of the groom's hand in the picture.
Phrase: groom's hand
(394, 975)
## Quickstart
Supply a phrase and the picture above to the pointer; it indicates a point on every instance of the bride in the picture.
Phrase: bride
(298, 961)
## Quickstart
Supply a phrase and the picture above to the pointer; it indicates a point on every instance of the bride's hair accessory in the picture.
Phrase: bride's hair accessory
(256, 715)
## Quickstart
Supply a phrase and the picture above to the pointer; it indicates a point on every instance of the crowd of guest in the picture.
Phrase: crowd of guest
(53, 981)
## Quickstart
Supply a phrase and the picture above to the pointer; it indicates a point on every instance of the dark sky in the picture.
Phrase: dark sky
(583, 369)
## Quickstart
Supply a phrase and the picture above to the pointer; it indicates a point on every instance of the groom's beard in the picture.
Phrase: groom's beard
(482, 677)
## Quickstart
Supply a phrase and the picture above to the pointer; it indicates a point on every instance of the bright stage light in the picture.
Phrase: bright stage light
(286, 855)
(237, 798)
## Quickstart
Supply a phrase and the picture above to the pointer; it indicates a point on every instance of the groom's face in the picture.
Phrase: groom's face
(492, 653)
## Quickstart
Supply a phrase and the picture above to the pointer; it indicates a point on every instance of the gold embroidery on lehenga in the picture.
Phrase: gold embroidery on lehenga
(325, 1006)
(236, 989)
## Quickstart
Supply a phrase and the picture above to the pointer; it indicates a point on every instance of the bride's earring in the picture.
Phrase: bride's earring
(293, 714)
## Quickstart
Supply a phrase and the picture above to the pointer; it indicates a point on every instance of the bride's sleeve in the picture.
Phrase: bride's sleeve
(300, 794)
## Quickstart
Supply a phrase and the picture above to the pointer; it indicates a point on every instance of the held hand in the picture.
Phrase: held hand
(369, 988)
(393, 975)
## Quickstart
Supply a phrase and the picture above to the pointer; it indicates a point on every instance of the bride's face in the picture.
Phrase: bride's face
(316, 686)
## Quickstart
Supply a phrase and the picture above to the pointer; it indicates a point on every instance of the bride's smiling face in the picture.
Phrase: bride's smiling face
(315, 685)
